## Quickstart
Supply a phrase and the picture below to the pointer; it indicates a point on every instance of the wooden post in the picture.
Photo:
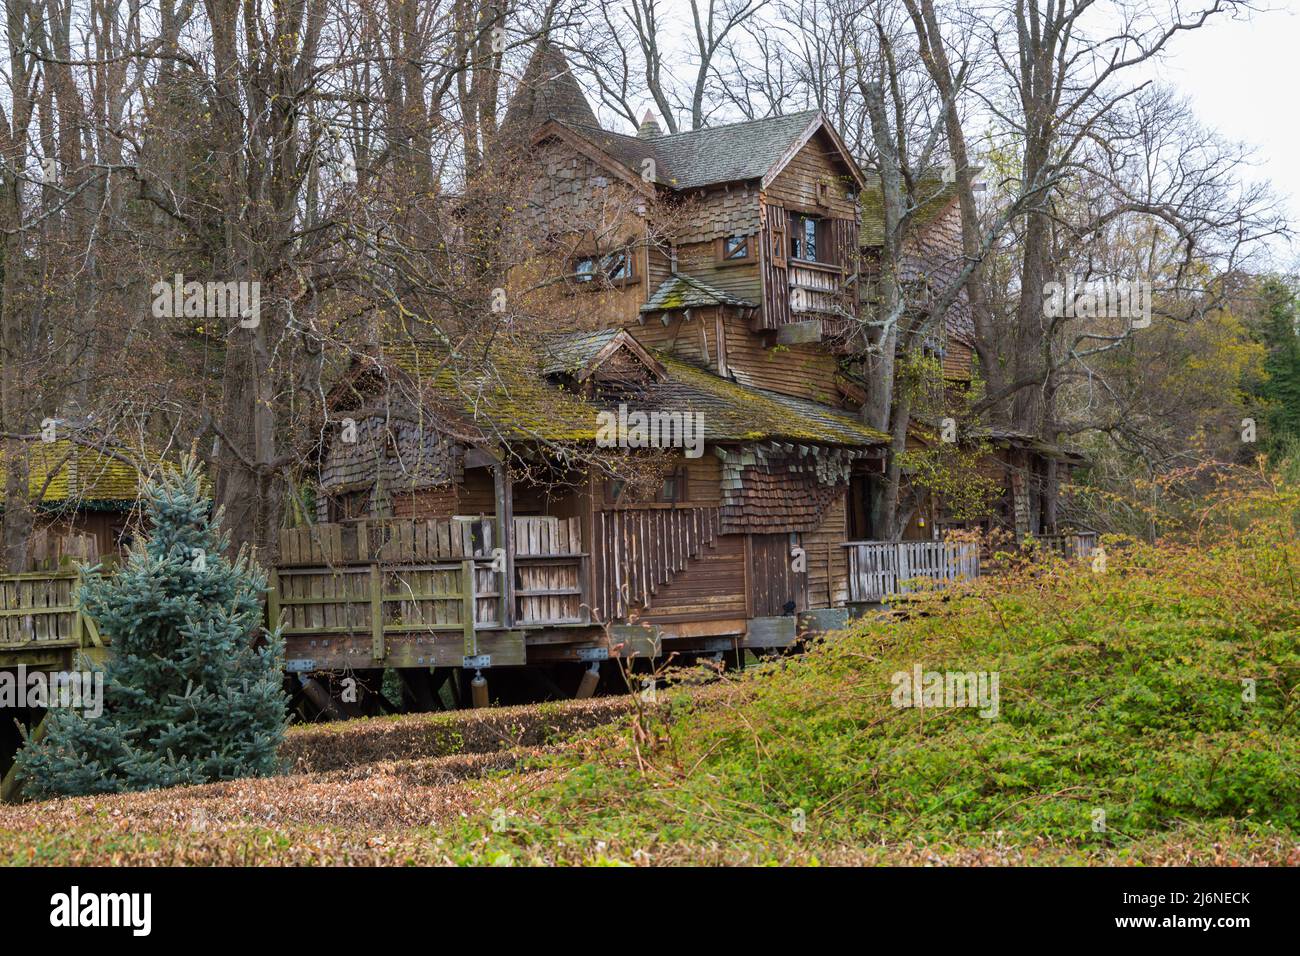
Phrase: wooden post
(505, 508)
(377, 649)
(273, 601)
(587, 567)
(467, 606)
(78, 621)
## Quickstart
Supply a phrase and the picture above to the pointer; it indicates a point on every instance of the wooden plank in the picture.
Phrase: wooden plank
(376, 613)
(467, 607)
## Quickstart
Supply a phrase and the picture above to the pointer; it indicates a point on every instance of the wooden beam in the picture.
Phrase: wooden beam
(505, 508)
(467, 610)
(376, 613)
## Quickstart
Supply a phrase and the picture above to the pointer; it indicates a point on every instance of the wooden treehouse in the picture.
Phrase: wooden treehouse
(462, 516)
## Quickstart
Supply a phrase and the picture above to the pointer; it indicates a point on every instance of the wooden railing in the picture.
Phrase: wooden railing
(41, 622)
(878, 569)
(438, 575)
(814, 290)
(1072, 545)
(643, 548)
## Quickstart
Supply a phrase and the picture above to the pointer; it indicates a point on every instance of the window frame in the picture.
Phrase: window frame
(599, 276)
(746, 248)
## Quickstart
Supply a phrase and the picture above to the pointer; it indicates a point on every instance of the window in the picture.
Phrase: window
(804, 233)
(618, 266)
(733, 248)
(674, 487)
(614, 268)
(614, 490)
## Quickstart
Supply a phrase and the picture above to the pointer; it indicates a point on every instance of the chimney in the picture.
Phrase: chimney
(648, 129)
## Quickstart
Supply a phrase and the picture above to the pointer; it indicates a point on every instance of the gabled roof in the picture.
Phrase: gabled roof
(681, 291)
(580, 354)
(755, 149)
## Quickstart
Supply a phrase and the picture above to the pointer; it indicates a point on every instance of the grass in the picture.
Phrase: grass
(1126, 733)
(1126, 730)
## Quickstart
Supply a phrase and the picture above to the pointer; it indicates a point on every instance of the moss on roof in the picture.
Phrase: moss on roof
(503, 389)
(735, 412)
(933, 197)
(682, 291)
(509, 396)
(77, 473)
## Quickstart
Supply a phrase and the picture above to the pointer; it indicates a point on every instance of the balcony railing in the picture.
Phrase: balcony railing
(879, 569)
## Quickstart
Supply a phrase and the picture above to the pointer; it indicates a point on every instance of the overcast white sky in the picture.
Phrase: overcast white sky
(1244, 80)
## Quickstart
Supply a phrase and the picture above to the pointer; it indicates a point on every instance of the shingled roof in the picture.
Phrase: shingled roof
(703, 157)
(510, 396)
(63, 472)
(681, 291)
(547, 90)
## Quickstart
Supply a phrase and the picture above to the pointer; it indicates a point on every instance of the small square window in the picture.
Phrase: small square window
(584, 269)
(674, 487)
(735, 248)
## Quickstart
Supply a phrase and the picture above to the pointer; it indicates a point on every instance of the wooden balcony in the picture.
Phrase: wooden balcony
(821, 306)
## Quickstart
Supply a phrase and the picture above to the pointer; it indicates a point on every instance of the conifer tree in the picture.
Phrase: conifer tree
(192, 689)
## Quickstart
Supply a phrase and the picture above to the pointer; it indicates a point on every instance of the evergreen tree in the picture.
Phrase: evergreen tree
(189, 696)
(1280, 334)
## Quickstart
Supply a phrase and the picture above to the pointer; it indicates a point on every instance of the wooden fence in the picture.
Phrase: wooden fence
(40, 622)
(878, 569)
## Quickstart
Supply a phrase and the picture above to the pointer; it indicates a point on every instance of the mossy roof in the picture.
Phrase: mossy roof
(510, 397)
(933, 196)
(681, 291)
(735, 412)
(80, 473)
(502, 392)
